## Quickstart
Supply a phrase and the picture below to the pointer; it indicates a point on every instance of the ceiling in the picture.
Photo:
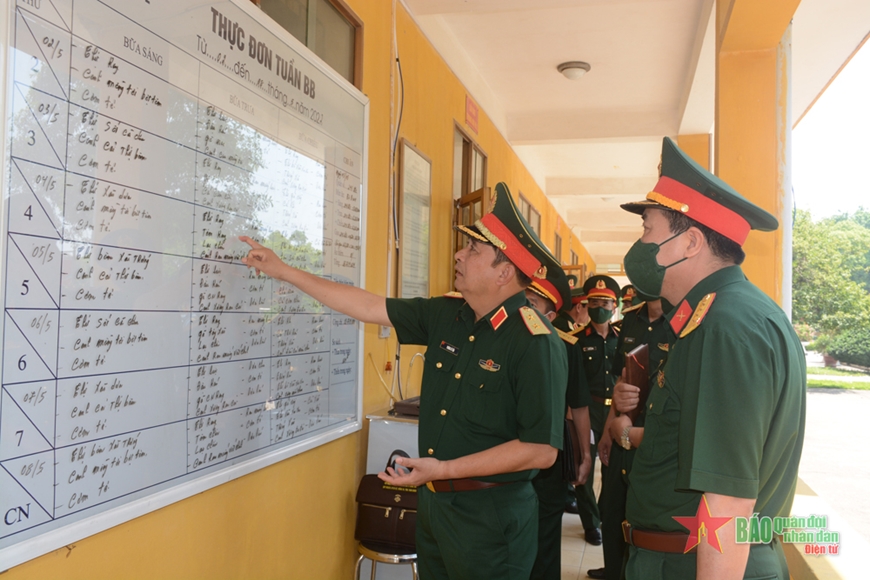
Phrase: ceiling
(594, 143)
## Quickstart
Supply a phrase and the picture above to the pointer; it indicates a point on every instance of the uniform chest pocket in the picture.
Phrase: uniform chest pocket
(662, 423)
(440, 362)
(482, 393)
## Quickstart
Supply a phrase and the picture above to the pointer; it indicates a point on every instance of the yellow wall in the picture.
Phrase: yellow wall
(295, 519)
(697, 147)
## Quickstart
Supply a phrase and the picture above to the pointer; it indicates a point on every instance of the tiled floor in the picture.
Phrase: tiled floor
(577, 555)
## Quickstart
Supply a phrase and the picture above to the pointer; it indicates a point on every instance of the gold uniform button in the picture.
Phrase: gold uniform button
(471, 338)
(431, 451)
(650, 328)
(650, 405)
(458, 375)
(623, 472)
(443, 412)
(438, 365)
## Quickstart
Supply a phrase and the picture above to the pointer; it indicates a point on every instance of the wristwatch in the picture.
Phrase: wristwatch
(624, 440)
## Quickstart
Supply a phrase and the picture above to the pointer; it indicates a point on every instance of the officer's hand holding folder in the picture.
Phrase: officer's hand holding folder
(637, 374)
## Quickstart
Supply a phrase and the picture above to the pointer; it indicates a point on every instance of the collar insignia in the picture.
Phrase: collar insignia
(681, 317)
(533, 321)
(498, 318)
(449, 347)
(664, 346)
(699, 314)
(453, 294)
(488, 365)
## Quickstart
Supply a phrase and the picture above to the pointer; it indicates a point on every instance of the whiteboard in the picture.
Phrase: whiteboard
(142, 362)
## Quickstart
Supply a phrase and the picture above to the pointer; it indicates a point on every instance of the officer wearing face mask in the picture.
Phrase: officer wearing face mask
(598, 345)
(725, 420)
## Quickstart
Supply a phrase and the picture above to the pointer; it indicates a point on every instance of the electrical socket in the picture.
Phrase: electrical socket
(384, 332)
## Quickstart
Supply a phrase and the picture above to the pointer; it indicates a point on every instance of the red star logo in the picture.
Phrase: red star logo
(702, 524)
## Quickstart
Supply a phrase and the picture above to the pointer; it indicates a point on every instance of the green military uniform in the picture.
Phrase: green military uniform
(549, 483)
(484, 383)
(727, 412)
(738, 377)
(587, 507)
(598, 355)
(637, 329)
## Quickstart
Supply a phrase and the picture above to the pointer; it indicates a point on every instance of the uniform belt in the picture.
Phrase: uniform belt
(602, 400)
(670, 542)
(443, 485)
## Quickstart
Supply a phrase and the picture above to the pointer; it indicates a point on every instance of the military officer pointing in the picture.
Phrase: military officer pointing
(492, 396)
(726, 418)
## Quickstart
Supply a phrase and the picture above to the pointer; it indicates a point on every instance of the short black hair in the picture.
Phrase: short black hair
(721, 247)
(501, 257)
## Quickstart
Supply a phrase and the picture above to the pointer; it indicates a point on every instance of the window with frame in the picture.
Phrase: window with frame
(575, 259)
(532, 215)
(471, 197)
(328, 27)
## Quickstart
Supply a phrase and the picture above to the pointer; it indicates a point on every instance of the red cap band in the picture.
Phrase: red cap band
(521, 257)
(547, 288)
(602, 293)
(682, 198)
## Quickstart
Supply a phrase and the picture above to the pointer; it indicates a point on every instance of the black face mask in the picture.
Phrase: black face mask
(599, 315)
(642, 268)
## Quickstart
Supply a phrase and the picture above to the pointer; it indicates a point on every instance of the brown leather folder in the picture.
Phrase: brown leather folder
(637, 374)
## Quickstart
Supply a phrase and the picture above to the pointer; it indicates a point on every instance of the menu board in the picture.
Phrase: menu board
(142, 362)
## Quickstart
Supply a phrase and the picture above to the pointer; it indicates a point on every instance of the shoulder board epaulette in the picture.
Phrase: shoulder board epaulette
(698, 315)
(577, 329)
(569, 338)
(633, 308)
(453, 294)
(533, 321)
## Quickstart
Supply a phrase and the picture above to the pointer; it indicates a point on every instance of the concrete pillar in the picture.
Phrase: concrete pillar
(753, 129)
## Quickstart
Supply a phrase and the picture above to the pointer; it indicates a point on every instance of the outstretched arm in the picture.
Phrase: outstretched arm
(349, 300)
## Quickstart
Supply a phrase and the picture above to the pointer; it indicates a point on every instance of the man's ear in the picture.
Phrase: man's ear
(695, 242)
(506, 273)
(551, 316)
